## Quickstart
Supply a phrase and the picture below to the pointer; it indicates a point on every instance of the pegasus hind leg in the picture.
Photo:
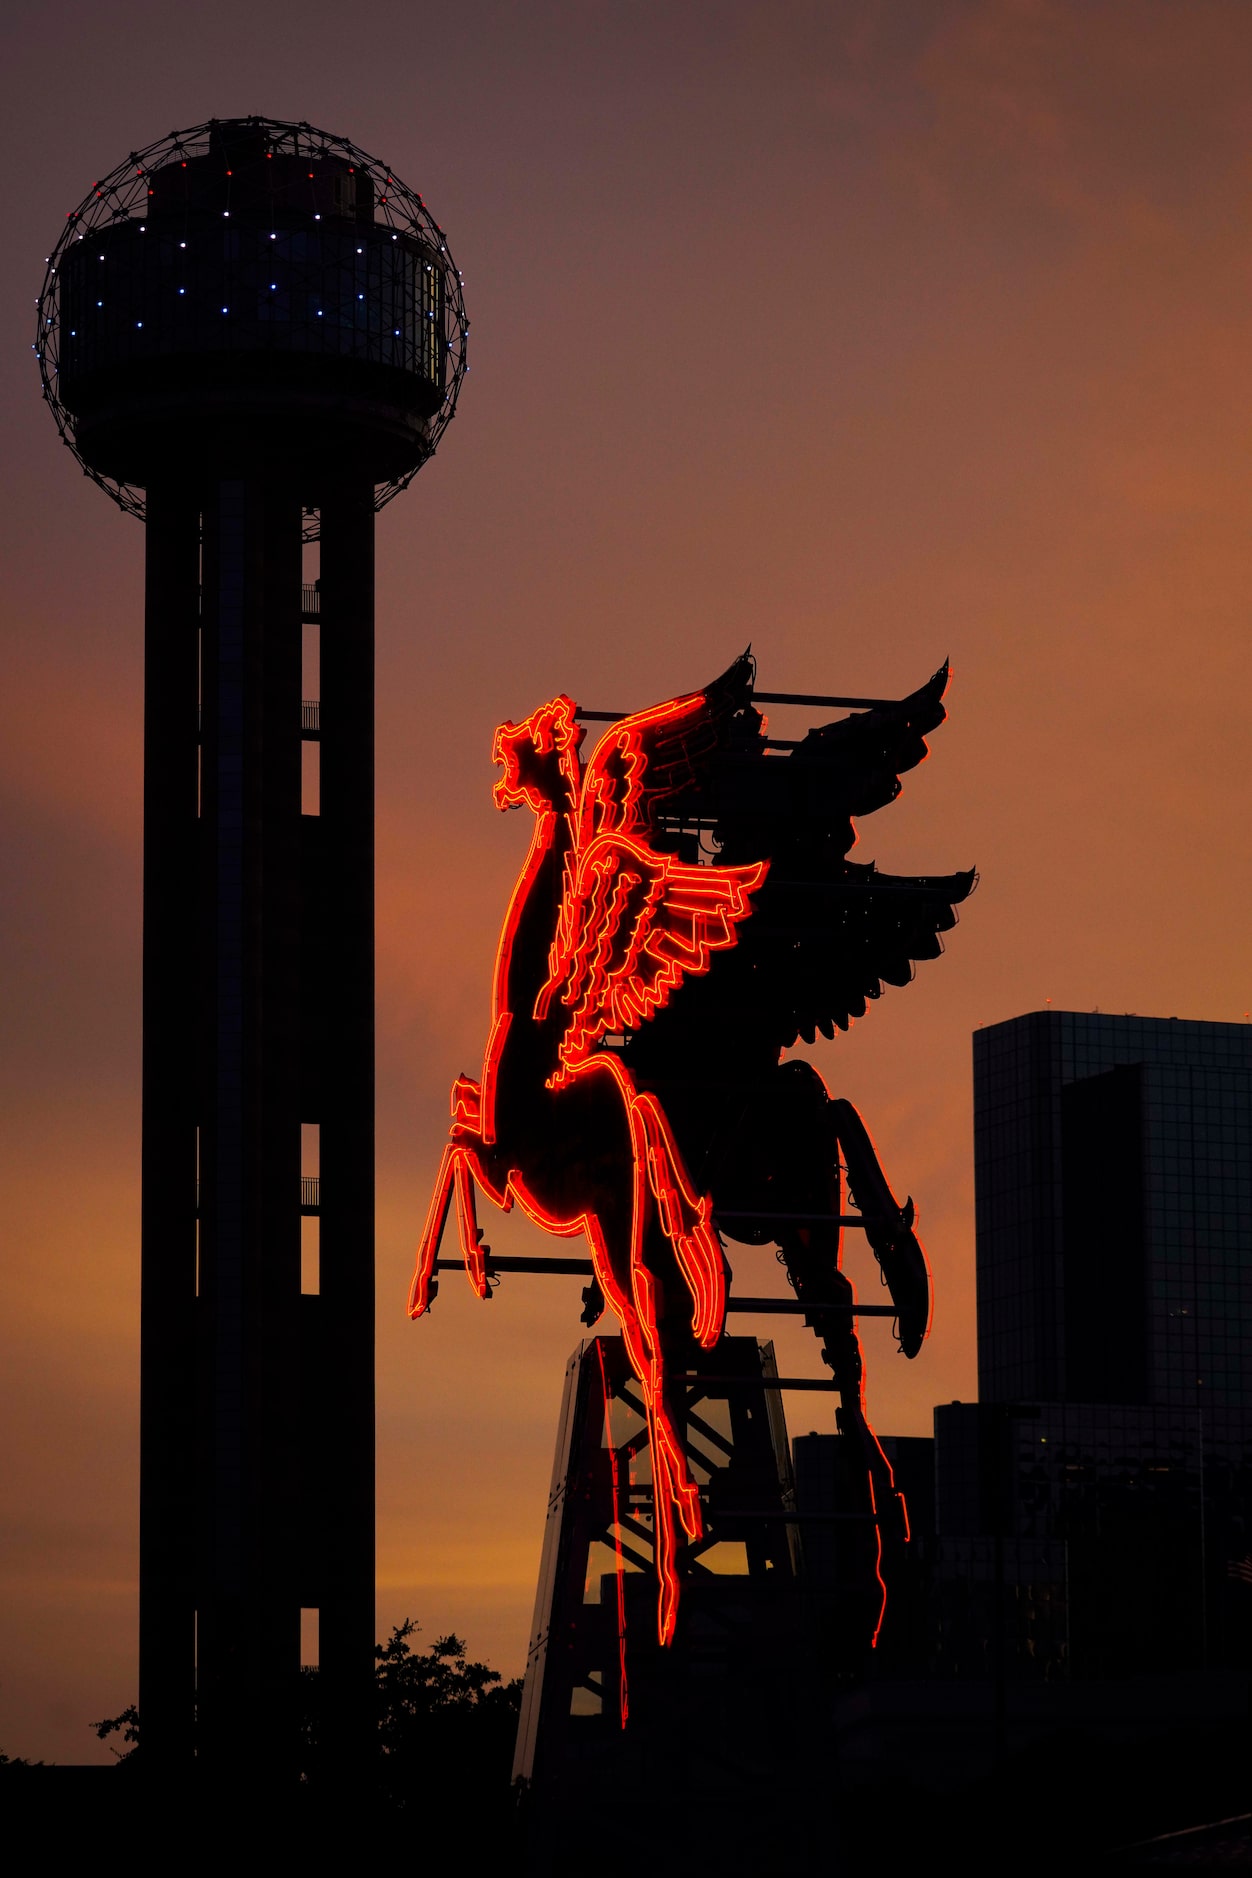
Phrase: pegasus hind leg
(686, 1219)
(638, 1251)
(674, 1491)
(808, 1170)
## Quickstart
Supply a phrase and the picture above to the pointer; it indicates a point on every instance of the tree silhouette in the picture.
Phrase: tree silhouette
(127, 1725)
(446, 1727)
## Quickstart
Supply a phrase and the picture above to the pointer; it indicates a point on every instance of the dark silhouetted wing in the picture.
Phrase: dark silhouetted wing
(826, 934)
(820, 951)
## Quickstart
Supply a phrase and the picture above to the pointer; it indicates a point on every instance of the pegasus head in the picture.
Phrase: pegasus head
(539, 758)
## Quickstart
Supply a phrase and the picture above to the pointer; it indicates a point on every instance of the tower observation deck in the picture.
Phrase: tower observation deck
(251, 335)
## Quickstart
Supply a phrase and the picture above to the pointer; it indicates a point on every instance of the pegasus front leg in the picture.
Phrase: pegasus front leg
(455, 1177)
(425, 1285)
(469, 1232)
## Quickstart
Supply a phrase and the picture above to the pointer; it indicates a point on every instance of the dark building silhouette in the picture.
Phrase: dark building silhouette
(1090, 1540)
(1093, 1507)
(252, 335)
(1072, 1669)
(827, 1471)
(1113, 1180)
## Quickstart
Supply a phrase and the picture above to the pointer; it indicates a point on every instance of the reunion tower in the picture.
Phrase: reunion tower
(252, 335)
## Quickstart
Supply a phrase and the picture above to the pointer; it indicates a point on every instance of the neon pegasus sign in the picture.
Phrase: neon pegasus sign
(686, 911)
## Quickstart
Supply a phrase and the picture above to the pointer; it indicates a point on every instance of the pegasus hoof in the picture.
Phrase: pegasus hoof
(593, 1303)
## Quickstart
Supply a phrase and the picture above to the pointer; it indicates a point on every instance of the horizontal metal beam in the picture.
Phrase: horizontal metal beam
(694, 1381)
(583, 1268)
(865, 1220)
(816, 697)
(792, 1307)
(725, 1518)
(569, 1268)
(769, 697)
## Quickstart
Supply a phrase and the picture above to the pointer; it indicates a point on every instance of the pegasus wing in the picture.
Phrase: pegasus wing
(832, 933)
(827, 934)
(637, 923)
(821, 951)
(652, 756)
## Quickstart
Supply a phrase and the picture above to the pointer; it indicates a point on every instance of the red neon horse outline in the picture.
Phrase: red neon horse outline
(632, 924)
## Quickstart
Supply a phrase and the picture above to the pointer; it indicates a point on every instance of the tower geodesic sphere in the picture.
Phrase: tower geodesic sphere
(251, 271)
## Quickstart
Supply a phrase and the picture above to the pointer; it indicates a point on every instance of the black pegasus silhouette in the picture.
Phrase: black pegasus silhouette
(687, 912)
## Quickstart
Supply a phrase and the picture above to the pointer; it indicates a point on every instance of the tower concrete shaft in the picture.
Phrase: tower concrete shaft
(257, 1401)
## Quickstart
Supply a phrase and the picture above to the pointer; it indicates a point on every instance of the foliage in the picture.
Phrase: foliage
(445, 1725)
(438, 1683)
(127, 1725)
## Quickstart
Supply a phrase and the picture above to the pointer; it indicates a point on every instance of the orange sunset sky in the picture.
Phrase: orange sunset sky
(867, 333)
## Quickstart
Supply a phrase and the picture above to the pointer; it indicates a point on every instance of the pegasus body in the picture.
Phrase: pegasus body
(632, 1078)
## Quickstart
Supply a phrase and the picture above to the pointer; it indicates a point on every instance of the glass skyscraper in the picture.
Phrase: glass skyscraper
(1113, 1180)
(1093, 1506)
